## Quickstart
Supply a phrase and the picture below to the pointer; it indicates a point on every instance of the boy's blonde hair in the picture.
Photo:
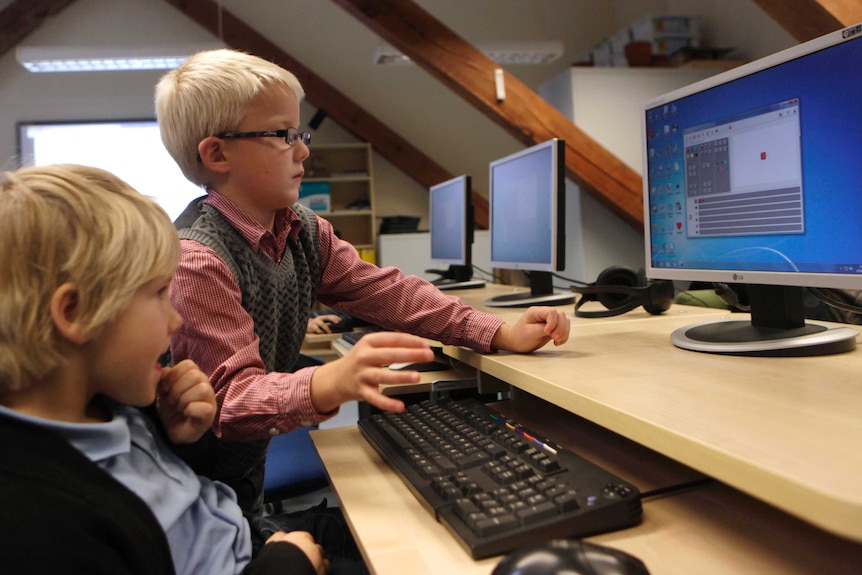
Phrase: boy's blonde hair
(69, 223)
(208, 94)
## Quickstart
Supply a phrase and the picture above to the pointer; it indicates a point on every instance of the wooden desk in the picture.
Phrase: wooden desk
(320, 345)
(714, 530)
(780, 434)
(785, 430)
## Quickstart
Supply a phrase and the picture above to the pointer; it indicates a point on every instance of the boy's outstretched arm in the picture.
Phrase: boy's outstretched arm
(536, 327)
(186, 402)
(357, 375)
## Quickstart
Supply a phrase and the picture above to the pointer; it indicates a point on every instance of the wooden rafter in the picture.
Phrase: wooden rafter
(808, 19)
(21, 17)
(523, 113)
(460, 67)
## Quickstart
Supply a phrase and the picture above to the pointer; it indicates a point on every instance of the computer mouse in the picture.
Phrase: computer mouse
(569, 557)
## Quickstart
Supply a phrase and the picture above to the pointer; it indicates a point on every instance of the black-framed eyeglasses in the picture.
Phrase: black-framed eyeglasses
(290, 135)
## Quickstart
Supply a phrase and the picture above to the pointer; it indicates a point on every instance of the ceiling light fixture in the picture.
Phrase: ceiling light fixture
(510, 53)
(104, 58)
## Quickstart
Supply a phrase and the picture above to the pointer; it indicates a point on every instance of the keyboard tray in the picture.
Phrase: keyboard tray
(494, 484)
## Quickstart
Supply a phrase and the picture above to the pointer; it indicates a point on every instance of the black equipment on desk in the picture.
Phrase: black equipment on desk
(347, 323)
(494, 484)
(349, 338)
(621, 290)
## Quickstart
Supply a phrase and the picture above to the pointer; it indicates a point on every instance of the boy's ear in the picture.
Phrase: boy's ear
(65, 312)
(211, 152)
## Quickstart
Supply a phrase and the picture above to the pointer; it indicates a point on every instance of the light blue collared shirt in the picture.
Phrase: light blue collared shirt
(206, 530)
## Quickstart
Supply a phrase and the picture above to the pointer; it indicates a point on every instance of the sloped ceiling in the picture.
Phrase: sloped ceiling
(463, 69)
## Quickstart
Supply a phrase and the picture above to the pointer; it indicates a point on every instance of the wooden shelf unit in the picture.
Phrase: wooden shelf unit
(347, 168)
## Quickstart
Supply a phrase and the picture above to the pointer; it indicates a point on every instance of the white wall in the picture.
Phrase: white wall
(125, 95)
(27, 96)
(411, 253)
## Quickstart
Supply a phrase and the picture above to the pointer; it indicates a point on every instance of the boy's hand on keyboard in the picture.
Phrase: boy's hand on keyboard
(358, 375)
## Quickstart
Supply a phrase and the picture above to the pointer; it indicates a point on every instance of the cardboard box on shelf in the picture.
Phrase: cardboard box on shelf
(315, 195)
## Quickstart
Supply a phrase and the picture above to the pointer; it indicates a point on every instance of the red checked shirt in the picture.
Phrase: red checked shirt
(218, 334)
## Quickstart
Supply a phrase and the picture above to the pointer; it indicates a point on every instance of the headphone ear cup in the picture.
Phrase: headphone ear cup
(659, 294)
(616, 276)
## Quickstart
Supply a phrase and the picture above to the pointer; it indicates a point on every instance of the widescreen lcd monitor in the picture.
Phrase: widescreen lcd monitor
(451, 233)
(754, 177)
(527, 222)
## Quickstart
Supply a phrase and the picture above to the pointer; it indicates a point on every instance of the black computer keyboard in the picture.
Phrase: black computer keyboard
(494, 484)
(349, 338)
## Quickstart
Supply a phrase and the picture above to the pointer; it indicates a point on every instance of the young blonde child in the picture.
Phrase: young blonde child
(254, 261)
(89, 484)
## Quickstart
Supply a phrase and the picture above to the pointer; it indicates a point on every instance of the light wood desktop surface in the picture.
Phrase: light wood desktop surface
(711, 530)
(784, 431)
(319, 345)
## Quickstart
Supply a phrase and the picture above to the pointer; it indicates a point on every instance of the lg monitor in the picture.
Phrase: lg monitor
(451, 217)
(527, 221)
(130, 149)
(753, 177)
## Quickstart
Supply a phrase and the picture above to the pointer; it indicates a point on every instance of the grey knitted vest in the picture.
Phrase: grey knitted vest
(277, 295)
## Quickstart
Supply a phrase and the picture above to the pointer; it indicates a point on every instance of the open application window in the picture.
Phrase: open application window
(743, 175)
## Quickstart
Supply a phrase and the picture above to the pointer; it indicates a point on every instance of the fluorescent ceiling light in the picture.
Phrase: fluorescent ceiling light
(104, 58)
(526, 53)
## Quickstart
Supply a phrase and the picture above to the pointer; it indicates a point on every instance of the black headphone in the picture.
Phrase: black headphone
(620, 289)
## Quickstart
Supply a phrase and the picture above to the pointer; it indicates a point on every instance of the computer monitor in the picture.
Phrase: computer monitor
(130, 149)
(451, 217)
(528, 221)
(753, 177)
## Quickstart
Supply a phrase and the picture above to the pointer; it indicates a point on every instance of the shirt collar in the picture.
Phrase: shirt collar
(287, 223)
(97, 441)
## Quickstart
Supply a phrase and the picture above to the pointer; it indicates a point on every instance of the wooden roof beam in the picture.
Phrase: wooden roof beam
(525, 115)
(21, 17)
(808, 19)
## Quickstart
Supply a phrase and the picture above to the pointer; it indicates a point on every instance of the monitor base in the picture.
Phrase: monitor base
(469, 284)
(527, 299)
(743, 338)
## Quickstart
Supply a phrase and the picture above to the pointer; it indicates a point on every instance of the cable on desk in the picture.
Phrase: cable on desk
(703, 302)
(486, 275)
(678, 488)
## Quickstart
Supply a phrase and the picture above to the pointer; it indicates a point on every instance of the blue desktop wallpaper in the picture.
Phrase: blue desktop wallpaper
(828, 86)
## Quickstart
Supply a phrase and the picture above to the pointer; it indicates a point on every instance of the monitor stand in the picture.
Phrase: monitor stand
(456, 277)
(777, 328)
(469, 284)
(541, 293)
